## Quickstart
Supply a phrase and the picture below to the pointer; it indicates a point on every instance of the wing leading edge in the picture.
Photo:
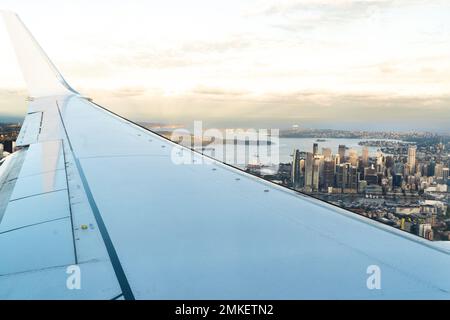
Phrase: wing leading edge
(99, 192)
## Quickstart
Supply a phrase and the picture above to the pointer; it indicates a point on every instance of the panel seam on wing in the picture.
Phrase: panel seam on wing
(33, 224)
(37, 194)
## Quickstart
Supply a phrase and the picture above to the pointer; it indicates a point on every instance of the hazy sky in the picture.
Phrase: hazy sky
(317, 63)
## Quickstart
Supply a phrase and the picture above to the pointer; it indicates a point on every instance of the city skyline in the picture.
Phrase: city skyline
(339, 67)
(407, 189)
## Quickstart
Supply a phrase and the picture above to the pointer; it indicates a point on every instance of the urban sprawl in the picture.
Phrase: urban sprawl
(405, 185)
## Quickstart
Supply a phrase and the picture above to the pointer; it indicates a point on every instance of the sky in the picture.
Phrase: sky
(344, 64)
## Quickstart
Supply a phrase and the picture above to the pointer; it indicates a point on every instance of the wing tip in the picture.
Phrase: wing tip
(8, 13)
(40, 74)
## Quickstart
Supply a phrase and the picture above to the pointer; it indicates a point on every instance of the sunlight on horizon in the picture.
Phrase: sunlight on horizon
(348, 64)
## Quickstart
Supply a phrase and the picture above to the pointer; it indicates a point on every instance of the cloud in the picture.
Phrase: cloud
(234, 42)
(185, 54)
(128, 92)
(307, 15)
(201, 90)
(366, 101)
(13, 92)
(13, 104)
(334, 8)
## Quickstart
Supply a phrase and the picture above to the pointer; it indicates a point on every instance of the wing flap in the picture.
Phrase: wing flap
(98, 282)
(36, 247)
(30, 130)
(41, 233)
(26, 212)
(42, 158)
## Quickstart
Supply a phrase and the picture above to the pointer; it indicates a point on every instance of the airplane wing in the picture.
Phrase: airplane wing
(90, 190)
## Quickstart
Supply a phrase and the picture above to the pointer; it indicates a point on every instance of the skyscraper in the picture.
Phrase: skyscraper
(412, 159)
(365, 156)
(328, 174)
(341, 152)
(431, 167)
(439, 171)
(445, 173)
(347, 177)
(380, 162)
(8, 146)
(309, 162)
(352, 178)
(389, 161)
(337, 159)
(326, 153)
(397, 180)
(353, 157)
(296, 170)
(342, 175)
(316, 174)
(315, 149)
(370, 175)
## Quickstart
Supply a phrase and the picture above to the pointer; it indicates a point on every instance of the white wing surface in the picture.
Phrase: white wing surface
(92, 190)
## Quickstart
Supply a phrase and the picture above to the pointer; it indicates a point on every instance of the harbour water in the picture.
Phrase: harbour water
(286, 147)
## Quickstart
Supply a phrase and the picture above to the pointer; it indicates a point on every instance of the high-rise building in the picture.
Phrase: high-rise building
(370, 175)
(389, 161)
(426, 231)
(353, 157)
(342, 175)
(412, 159)
(8, 146)
(353, 178)
(341, 152)
(321, 160)
(439, 170)
(337, 159)
(327, 153)
(329, 168)
(397, 180)
(431, 167)
(445, 173)
(309, 163)
(365, 156)
(315, 149)
(316, 174)
(347, 177)
(296, 170)
(424, 169)
(380, 162)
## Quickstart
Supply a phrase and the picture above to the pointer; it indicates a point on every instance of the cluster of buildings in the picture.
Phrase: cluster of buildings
(347, 172)
(407, 190)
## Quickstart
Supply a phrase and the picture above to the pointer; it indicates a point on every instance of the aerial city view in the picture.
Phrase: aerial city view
(400, 179)
(223, 158)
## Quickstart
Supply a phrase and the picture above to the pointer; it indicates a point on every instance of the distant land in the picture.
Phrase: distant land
(413, 136)
(11, 119)
(358, 134)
